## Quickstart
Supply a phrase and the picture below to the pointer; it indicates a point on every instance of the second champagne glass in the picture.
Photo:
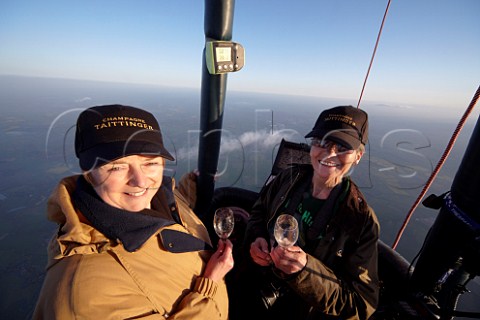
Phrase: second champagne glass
(223, 222)
(286, 230)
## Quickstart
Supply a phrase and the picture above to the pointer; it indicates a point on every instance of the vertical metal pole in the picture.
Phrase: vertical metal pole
(218, 26)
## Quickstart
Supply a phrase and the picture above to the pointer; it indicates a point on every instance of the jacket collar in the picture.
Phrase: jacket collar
(349, 203)
(132, 230)
(350, 220)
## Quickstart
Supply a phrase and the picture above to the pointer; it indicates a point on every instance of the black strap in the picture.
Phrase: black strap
(323, 216)
(298, 193)
(326, 211)
(167, 184)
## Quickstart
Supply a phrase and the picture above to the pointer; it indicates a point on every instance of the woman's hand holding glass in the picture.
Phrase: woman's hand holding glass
(221, 261)
(286, 234)
(286, 257)
(289, 260)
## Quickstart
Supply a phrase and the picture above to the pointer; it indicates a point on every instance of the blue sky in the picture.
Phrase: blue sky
(429, 51)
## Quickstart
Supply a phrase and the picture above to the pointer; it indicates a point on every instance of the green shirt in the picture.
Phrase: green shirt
(307, 209)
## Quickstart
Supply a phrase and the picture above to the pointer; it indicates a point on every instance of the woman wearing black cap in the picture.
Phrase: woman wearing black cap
(128, 245)
(331, 272)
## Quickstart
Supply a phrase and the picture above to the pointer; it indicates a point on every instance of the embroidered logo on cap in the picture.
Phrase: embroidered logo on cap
(113, 122)
(342, 118)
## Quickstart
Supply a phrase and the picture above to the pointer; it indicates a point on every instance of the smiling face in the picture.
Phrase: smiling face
(129, 183)
(331, 161)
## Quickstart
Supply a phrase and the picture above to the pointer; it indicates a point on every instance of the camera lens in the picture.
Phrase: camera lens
(269, 295)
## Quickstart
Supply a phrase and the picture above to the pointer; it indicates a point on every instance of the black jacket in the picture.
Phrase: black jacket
(340, 278)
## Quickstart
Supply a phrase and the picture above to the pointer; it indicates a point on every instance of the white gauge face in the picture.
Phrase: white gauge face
(223, 54)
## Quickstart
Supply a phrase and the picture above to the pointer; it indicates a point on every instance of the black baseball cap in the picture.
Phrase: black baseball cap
(343, 124)
(109, 132)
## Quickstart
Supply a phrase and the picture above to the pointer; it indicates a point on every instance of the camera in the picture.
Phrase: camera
(270, 292)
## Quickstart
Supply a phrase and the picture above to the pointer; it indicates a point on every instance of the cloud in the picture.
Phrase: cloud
(264, 139)
(83, 99)
(186, 153)
(261, 140)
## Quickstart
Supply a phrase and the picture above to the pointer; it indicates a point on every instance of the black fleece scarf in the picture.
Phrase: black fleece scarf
(133, 229)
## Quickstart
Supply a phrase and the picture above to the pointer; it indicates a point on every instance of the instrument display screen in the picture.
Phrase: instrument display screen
(224, 56)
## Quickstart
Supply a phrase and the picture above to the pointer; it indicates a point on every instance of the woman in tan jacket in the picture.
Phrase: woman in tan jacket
(128, 244)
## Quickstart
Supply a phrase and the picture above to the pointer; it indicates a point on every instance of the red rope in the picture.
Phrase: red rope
(439, 164)
(374, 52)
(448, 149)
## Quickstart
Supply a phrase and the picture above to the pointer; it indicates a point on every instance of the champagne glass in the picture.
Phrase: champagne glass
(286, 230)
(223, 222)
